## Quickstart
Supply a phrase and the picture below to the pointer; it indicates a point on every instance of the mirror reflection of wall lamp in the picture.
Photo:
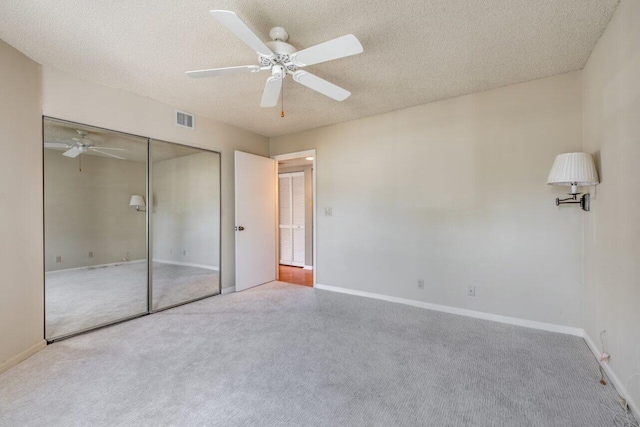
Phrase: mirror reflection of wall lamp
(574, 170)
(138, 202)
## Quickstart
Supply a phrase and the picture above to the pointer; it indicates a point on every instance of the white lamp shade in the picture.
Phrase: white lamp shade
(136, 200)
(573, 168)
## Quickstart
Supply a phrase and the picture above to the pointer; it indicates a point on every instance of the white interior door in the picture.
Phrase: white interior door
(255, 179)
(292, 218)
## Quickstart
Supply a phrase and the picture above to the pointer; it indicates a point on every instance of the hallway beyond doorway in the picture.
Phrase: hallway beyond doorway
(296, 275)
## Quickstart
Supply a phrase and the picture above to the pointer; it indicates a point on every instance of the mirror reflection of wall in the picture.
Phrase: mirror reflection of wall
(95, 243)
(185, 223)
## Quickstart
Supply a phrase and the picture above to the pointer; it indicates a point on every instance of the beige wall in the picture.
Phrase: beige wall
(186, 209)
(68, 97)
(21, 249)
(308, 208)
(454, 192)
(89, 211)
(611, 83)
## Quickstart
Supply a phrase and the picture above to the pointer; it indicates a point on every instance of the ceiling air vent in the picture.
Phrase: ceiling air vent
(185, 120)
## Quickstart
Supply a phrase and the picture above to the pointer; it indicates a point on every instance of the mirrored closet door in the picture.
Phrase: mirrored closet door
(95, 242)
(185, 223)
(108, 210)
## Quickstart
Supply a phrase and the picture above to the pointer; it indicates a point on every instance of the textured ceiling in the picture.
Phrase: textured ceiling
(415, 51)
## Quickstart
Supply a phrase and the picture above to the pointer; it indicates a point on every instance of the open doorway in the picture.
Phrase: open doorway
(296, 194)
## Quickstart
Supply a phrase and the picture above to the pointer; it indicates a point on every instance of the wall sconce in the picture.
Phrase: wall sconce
(574, 169)
(138, 202)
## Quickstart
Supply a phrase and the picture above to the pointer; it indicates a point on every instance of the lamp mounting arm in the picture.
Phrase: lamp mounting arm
(584, 201)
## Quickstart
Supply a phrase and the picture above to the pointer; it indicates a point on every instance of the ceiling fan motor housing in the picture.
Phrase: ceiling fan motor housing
(279, 34)
(283, 52)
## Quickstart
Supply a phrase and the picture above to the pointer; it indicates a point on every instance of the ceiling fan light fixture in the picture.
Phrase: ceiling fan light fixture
(278, 71)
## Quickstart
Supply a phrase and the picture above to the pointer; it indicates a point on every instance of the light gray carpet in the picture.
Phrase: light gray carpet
(84, 298)
(282, 354)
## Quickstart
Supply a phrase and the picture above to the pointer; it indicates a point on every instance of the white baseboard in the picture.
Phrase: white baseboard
(461, 311)
(186, 264)
(87, 267)
(308, 267)
(615, 380)
(114, 264)
(228, 290)
(23, 355)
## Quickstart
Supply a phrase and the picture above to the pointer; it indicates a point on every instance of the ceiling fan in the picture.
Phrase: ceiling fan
(80, 145)
(282, 59)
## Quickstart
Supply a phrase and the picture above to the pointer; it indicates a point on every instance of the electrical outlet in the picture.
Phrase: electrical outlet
(328, 212)
(471, 291)
(58, 258)
(420, 283)
(90, 254)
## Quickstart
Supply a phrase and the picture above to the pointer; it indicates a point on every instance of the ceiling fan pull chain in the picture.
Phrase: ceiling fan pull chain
(282, 109)
(80, 163)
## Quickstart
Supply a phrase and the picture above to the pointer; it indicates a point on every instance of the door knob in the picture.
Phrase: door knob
(239, 228)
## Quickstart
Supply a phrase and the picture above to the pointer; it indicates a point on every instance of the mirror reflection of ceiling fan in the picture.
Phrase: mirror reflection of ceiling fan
(281, 59)
(82, 145)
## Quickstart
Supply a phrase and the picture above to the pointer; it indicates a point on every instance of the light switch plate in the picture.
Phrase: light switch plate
(328, 212)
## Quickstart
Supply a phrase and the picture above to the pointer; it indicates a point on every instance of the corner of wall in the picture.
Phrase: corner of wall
(21, 287)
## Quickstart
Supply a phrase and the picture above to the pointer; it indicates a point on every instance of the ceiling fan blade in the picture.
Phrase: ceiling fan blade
(271, 92)
(244, 69)
(242, 31)
(107, 148)
(328, 51)
(56, 145)
(321, 85)
(73, 153)
(107, 154)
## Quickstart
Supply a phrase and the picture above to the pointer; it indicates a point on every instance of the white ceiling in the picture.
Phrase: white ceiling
(415, 51)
